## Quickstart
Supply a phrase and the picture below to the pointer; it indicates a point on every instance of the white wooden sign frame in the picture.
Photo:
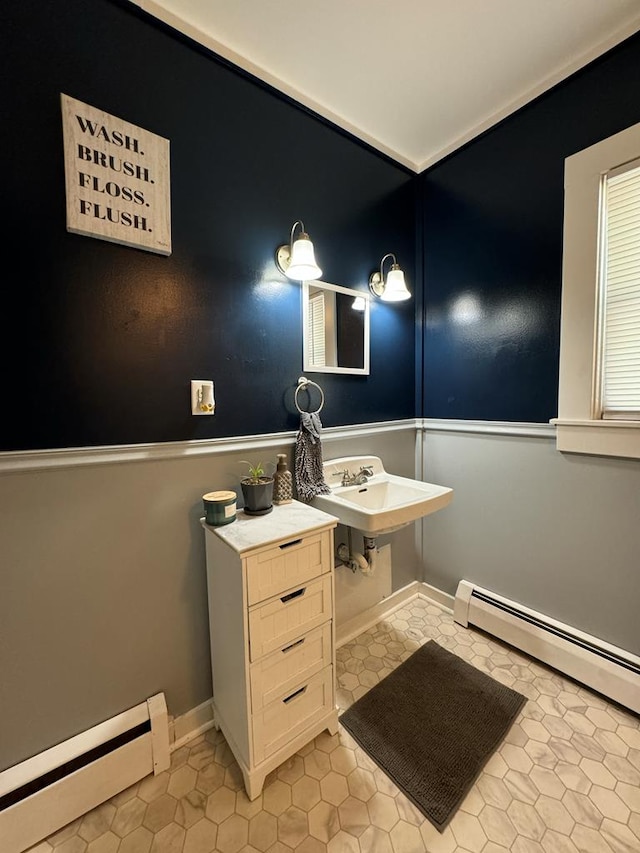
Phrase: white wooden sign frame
(116, 179)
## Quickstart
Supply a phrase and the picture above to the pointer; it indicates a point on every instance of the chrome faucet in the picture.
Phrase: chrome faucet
(349, 479)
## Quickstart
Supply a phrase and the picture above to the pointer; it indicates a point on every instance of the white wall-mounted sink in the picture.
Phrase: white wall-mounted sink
(386, 502)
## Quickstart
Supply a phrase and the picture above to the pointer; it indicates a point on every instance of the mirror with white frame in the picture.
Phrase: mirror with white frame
(335, 328)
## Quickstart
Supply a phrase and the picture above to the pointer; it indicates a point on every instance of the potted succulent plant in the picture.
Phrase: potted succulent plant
(257, 490)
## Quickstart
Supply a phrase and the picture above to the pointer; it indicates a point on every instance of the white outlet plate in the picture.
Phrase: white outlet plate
(198, 385)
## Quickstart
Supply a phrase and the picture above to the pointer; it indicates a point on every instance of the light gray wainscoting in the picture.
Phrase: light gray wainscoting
(104, 598)
(556, 532)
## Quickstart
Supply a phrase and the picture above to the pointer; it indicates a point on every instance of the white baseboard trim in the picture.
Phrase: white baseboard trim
(367, 619)
(437, 596)
(191, 725)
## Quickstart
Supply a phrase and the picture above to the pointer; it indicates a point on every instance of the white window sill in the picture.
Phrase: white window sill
(598, 438)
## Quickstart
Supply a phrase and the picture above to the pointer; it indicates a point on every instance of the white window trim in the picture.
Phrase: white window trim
(579, 428)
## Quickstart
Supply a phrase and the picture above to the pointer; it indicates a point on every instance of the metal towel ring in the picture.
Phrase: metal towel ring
(303, 384)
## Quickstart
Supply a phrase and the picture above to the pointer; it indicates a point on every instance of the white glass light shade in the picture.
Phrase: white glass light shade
(302, 265)
(395, 288)
(358, 303)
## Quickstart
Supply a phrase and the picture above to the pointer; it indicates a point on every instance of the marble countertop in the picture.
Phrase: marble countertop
(285, 521)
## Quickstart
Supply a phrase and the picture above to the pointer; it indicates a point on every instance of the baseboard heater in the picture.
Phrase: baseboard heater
(611, 671)
(46, 792)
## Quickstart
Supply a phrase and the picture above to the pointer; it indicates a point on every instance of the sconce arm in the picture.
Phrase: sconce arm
(376, 282)
(293, 228)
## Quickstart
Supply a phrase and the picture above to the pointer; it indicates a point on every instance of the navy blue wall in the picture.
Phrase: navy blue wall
(100, 341)
(493, 247)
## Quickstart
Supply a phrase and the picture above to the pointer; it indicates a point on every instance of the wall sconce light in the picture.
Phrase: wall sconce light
(297, 260)
(359, 303)
(394, 289)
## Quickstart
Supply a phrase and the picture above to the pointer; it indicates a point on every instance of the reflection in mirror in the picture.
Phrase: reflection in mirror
(335, 327)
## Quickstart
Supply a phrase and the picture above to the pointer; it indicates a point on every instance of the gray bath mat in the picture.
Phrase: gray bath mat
(431, 725)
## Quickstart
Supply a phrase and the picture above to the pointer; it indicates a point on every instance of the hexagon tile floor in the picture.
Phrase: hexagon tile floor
(565, 780)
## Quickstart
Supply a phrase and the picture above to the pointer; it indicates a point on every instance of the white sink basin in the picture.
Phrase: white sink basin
(386, 502)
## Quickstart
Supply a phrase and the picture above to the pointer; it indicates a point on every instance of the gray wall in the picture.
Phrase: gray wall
(104, 589)
(557, 532)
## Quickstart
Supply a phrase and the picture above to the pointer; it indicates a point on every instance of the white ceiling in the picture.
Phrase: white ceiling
(414, 78)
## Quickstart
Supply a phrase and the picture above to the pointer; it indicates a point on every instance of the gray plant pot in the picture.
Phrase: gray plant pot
(258, 497)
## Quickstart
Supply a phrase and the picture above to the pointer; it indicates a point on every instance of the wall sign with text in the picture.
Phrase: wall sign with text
(117, 179)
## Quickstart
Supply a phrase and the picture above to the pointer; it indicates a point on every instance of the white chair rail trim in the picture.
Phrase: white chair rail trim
(531, 430)
(42, 460)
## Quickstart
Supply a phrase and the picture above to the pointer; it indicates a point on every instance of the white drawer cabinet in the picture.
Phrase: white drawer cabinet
(278, 621)
(271, 624)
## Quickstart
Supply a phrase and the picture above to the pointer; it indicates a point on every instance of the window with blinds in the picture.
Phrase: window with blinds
(316, 330)
(619, 350)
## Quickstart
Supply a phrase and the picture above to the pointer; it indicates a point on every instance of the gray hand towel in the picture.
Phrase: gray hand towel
(308, 458)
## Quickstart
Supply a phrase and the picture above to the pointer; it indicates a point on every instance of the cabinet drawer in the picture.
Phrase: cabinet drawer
(280, 721)
(279, 621)
(279, 672)
(290, 564)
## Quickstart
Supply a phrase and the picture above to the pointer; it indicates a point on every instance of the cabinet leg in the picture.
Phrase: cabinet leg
(332, 726)
(253, 783)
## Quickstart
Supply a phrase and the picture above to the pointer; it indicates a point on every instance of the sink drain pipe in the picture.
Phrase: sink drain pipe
(370, 553)
(357, 561)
